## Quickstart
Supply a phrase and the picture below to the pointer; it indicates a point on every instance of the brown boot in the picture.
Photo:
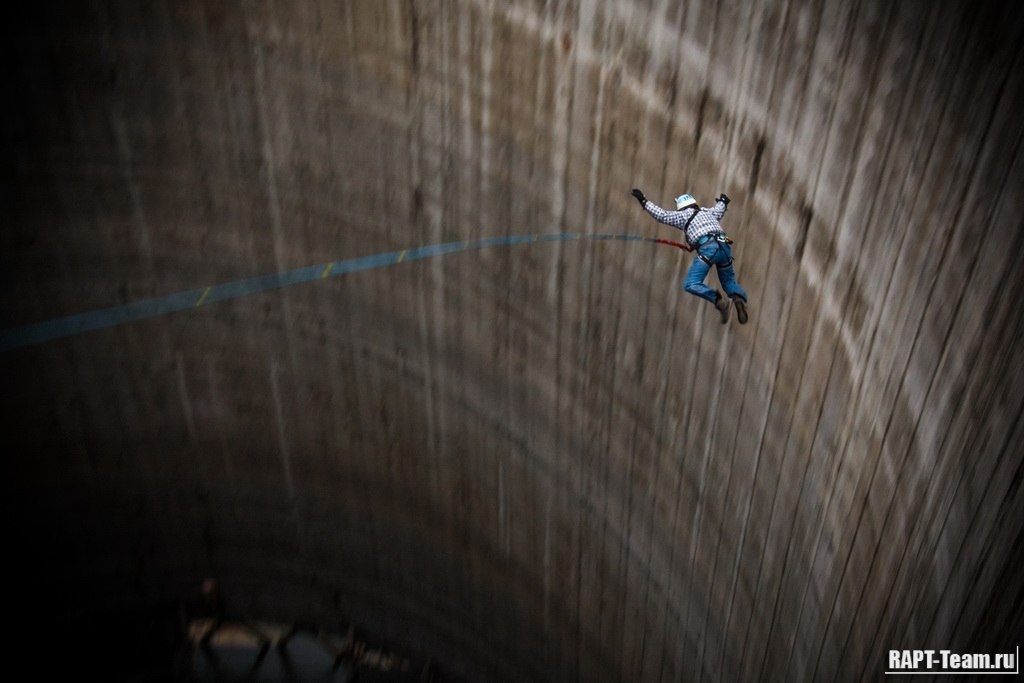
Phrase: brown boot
(741, 309)
(723, 307)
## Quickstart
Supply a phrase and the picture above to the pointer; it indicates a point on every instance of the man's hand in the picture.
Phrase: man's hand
(639, 196)
(724, 198)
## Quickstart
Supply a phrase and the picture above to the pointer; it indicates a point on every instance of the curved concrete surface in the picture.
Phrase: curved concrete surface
(540, 462)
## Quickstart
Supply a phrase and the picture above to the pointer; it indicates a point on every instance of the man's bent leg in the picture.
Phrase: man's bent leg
(694, 282)
(727, 276)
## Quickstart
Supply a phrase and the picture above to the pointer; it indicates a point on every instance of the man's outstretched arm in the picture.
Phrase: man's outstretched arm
(677, 219)
(721, 204)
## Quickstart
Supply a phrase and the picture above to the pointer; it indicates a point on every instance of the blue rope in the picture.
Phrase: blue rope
(79, 323)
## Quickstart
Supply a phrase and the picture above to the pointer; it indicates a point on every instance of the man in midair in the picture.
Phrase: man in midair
(704, 234)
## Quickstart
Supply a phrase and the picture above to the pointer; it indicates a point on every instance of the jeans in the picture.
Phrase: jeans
(720, 254)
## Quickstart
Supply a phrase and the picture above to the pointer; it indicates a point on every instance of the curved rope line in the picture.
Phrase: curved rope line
(79, 323)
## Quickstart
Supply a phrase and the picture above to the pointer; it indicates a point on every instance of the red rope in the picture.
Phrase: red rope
(684, 247)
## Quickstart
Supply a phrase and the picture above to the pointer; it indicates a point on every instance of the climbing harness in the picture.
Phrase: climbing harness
(716, 236)
(720, 238)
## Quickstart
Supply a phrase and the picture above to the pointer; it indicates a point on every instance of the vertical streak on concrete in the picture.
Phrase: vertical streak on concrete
(686, 426)
(414, 146)
(503, 530)
(122, 138)
(556, 80)
(186, 403)
(466, 148)
(125, 152)
(547, 562)
(350, 34)
(486, 74)
(169, 45)
(439, 213)
(562, 67)
(698, 518)
(143, 242)
(584, 43)
(560, 135)
(221, 418)
(222, 129)
(282, 434)
(586, 28)
(266, 132)
(662, 425)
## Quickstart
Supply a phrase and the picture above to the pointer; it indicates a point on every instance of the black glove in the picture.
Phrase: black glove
(639, 196)
(724, 198)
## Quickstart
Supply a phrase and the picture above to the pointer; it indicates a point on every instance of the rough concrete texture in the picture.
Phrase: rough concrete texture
(545, 461)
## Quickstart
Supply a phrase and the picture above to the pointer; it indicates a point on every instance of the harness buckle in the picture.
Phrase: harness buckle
(716, 236)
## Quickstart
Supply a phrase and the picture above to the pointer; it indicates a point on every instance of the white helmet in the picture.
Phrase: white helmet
(685, 201)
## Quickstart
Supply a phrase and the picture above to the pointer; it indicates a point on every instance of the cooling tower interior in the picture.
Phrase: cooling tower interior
(347, 306)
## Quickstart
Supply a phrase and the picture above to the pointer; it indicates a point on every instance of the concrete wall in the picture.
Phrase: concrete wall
(540, 462)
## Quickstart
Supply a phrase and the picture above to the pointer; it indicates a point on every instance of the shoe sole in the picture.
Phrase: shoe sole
(741, 311)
